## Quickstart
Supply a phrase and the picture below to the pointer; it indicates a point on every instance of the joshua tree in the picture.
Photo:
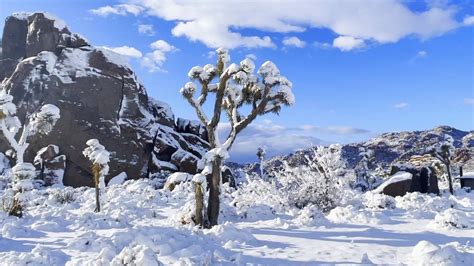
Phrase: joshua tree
(100, 158)
(235, 86)
(444, 152)
(364, 177)
(261, 157)
(41, 122)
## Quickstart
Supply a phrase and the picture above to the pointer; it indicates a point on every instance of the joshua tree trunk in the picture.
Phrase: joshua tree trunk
(214, 192)
(97, 200)
(199, 204)
(96, 171)
(450, 181)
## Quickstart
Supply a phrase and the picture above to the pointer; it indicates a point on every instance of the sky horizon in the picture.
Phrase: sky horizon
(359, 68)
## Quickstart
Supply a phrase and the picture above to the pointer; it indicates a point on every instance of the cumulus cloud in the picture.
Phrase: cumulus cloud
(217, 23)
(155, 59)
(469, 101)
(347, 43)
(468, 20)
(146, 29)
(122, 10)
(278, 139)
(401, 105)
(126, 51)
(293, 42)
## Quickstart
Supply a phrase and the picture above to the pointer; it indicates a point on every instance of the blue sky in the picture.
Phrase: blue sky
(359, 68)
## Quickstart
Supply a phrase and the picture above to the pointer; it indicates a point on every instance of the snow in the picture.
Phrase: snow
(188, 89)
(397, 177)
(58, 23)
(118, 179)
(427, 253)
(178, 177)
(247, 65)
(114, 57)
(141, 225)
(467, 175)
(21, 15)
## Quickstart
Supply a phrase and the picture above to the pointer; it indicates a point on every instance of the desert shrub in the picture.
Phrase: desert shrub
(64, 196)
(319, 181)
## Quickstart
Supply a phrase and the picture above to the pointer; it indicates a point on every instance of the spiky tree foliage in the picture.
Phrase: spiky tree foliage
(100, 158)
(444, 152)
(40, 122)
(234, 86)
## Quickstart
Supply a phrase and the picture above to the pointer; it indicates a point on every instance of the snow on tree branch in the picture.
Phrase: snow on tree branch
(41, 122)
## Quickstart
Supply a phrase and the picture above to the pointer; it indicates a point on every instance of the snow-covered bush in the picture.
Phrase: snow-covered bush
(310, 215)
(256, 200)
(65, 196)
(100, 158)
(378, 201)
(320, 181)
(237, 89)
(452, 218)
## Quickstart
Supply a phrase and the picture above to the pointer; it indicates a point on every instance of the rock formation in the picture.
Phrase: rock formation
(99, 96)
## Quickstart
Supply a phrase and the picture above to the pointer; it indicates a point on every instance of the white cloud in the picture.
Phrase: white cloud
(322, 45)
(419, 55)
(126, 51)
(122, 10)
(401, 105)
(347, 43)
(146, 29)
(422, 54)
(155, 59)
(217, 23)
(469, 101)
(278, 139)
(294, 42)
(468, 20)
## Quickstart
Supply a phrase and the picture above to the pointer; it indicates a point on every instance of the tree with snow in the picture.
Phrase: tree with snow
(261, 157)
(320, 181)
(40, 122)
(234, 86)
(364, 177)
(100, 159)
(444, 152)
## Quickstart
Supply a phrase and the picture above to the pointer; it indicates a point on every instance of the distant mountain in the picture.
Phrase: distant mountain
(388, 148)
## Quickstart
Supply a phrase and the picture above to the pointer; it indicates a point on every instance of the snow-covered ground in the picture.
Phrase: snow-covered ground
(142, 225)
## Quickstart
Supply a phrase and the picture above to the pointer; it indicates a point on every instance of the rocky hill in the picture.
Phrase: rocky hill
(99, 96)
(388, 148)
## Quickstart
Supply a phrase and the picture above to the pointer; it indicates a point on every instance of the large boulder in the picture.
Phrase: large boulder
(99, 97)
(51, 165)
(397, 185)
(408, 178)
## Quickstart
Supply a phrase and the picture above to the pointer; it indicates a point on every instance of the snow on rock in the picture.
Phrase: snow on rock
(177, 178)
(398, 177)
(118, 179)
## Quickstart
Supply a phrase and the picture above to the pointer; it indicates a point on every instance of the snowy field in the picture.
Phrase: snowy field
(142, 225)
